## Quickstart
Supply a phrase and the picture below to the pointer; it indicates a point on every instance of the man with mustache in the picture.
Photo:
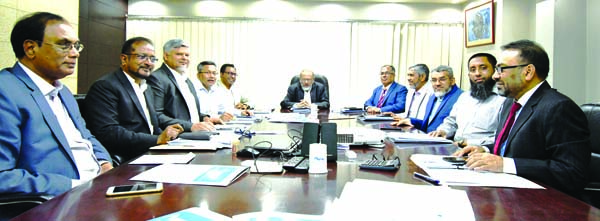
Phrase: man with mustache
(418, 91)
(474, 117)
(210, 94)
(176, 101)
(45, 147)
(445, 94)
(389, 96)
(119, 107)
(542, 135)
(305, 93)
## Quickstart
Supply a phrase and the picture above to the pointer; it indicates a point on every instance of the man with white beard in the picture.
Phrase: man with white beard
(306, 92)
(445, 94)
(474, 118)
(418, 91)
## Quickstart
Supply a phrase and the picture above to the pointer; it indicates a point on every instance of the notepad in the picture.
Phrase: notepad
(212, 175)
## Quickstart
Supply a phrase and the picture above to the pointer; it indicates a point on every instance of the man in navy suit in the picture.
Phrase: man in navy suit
(119, 107)
(306, 92)
(445, 94)
(548, 140)
(389, 96)
(45, 147)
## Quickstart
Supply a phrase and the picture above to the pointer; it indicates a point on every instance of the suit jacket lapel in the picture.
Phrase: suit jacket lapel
(387, 93)
(46, 111)
(150, 102)
(167, 72)
(130, 92)
(526, 113)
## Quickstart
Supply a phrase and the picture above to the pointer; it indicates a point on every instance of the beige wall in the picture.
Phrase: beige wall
(12, 10)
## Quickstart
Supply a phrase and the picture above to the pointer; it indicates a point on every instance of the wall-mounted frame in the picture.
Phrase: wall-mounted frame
(479, 25)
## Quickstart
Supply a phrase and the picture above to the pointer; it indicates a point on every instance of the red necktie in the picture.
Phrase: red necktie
(380, 102)
(507, 126)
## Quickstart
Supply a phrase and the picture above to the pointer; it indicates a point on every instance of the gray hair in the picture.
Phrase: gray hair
(174, 43)
(446, 69)
(421, 69)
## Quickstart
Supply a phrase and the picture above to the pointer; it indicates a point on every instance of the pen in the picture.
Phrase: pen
(426, 178)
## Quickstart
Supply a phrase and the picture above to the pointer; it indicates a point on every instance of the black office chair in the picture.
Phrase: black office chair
(592, 190)
(318, 78)
(11, 206)
(80, 98)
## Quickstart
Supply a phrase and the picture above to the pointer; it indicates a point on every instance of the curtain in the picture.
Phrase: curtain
(268, 53)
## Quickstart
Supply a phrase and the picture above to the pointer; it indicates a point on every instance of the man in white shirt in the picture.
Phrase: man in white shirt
(474, 117)
(418, 92)
(232, 99)
(211, 96)
(45, 147)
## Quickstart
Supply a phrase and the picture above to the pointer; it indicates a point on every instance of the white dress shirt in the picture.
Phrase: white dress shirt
(473, 120)
(211, 100)
(416, 102)
(82, 149)
(186, 91)
(139, 92)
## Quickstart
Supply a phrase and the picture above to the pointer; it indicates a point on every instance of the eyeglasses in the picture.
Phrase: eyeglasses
(306, 80)
(65, 47)
(143, 57)
(208, 72)
(386, 73)
(500, 69)
(233, 74)
(435, 80)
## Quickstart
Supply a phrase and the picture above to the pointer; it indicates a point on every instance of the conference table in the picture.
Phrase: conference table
(294, 192)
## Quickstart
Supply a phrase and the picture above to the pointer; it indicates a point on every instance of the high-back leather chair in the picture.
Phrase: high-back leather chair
(11, 206)
(592, 190)
(318, 78)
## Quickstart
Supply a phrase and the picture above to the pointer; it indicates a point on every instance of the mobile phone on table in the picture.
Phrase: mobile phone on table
(138, 188)
(456, 160)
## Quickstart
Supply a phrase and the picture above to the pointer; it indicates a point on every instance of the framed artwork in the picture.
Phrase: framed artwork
(479, 25)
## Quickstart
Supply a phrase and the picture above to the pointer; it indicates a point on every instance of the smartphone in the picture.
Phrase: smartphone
(134, 189)
(456, 160)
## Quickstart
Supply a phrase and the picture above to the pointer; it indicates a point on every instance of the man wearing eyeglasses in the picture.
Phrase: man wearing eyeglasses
(45, 147)
(389, 96)
(306, 93)
(210, 95)
(445, 95)
(175, 98)
(119, 107)
(542, 135)
(474, 117)
(232, 100)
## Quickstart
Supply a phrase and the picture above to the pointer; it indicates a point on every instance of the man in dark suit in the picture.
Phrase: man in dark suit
(549, 139)
(45, 147)
(389, 96)
(298, 94)
(175, 98)
(119, 107)
(439, 106)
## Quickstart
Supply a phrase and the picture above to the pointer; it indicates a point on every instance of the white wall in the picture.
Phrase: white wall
(593, 52)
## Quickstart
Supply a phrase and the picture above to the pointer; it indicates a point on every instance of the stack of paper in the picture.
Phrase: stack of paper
(291, 118)
(448, 174)
(378, 200)
(163, 159)
(197, 213)
(213, 175)
(401, 137)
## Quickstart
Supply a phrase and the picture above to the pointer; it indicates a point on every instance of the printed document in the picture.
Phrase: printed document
(213, 175)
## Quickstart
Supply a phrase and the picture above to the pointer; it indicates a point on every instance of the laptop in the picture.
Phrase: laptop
(266, 142)
(360, 136)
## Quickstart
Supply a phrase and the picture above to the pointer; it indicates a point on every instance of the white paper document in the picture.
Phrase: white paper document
(197, 213)
(291, 118)
(164, 159)
(183, 144)
(379, 200)
(213, 175)
(448, 174)
(401, 137)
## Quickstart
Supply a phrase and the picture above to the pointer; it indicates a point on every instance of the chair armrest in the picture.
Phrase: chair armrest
(17, 199)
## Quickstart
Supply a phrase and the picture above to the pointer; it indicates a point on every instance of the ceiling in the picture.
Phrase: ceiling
(398, 1)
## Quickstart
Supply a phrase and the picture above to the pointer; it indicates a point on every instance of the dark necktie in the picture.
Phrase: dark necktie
(191, 87)
(506, 129)
(380, 102)
(412, 100)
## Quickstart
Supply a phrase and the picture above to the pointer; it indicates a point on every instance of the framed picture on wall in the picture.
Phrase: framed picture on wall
(479, 25)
